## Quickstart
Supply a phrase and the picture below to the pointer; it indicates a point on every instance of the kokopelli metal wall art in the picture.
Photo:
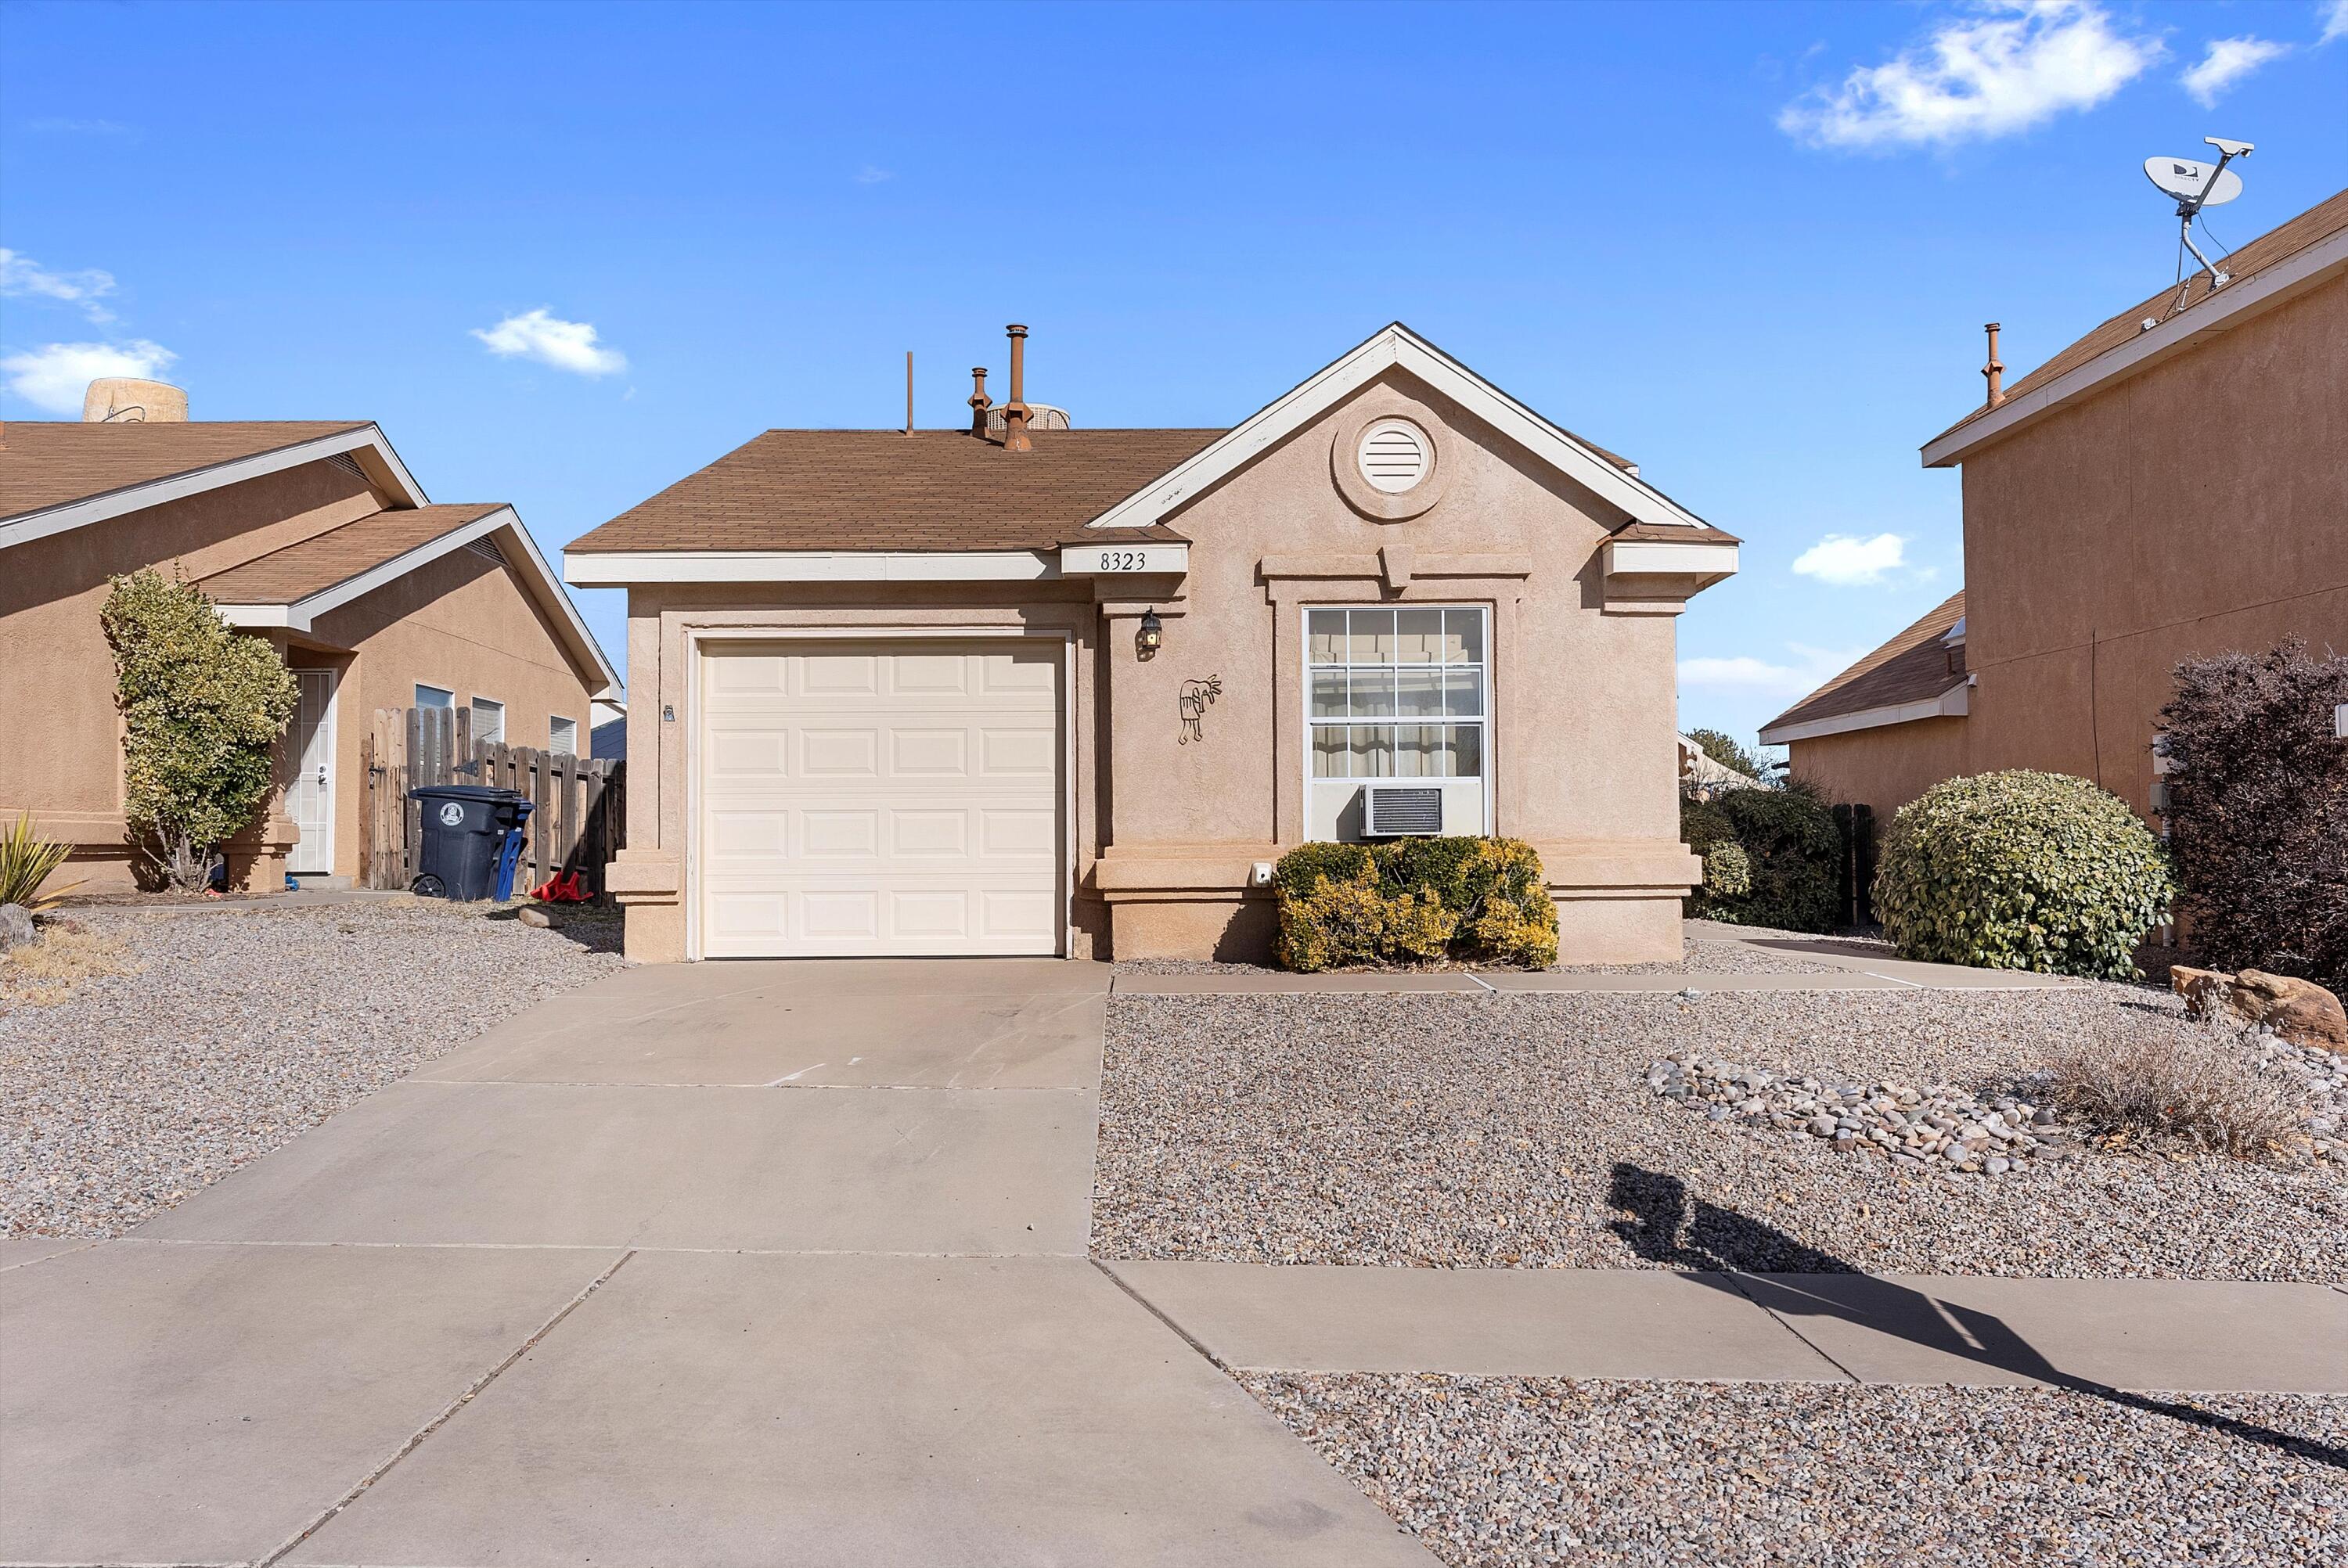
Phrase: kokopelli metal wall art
(1197, 697)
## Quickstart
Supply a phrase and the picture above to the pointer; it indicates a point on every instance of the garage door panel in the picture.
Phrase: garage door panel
(839, 754)
(929, 753)
(841, 835)
(882, 800)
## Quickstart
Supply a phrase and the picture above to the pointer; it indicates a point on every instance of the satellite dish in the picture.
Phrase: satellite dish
(2186, 178)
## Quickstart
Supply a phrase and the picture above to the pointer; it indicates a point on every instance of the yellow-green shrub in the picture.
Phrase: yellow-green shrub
(1414, 900)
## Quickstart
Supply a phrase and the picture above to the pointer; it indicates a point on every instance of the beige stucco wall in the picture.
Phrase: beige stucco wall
(63, 754)
(2197, 507)
(1884, 768)
(461, 622)
(1582, 749)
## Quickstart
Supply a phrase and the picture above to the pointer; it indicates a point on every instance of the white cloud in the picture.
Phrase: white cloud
(872, 174)
(2227, 62)
(1809, 668)
(2335, 20)
(551, 340)
(2009, 65)
(55, 375)
(21, 277)
(1848, 562)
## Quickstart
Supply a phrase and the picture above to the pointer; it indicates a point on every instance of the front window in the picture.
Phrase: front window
(562, 736)
(488, 721)
(434, 697)
(1396, 693)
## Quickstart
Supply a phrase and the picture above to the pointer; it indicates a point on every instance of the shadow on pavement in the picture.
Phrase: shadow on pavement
(1715, 1240)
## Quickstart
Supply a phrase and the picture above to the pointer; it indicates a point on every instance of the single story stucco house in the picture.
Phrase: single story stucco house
(1025, 688)
(312, 536)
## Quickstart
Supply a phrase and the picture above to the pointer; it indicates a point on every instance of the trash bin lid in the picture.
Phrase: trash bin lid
(489, 792)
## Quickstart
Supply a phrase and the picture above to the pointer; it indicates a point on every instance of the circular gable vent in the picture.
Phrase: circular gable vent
(1395, 455)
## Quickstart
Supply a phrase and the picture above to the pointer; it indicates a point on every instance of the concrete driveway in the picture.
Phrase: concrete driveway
(755, 1264)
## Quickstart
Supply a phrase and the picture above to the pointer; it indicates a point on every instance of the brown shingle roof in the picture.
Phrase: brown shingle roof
(2278, 244)
(885, 490)
(318, 563)
(1914, 667)
(1675, 534)
(933, 490)
(47, 463)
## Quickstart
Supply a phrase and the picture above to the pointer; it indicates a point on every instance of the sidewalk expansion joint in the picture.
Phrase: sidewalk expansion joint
(1151, 1307)
(1777, 1317)
(436, 1422)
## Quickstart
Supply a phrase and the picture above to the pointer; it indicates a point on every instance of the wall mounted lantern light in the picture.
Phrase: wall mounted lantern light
(1151, 633)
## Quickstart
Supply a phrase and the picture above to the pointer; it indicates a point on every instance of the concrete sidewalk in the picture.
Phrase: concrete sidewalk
(2197, 1336)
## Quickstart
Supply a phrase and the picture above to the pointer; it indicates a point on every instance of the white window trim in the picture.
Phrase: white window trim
(473, 703)
(420, 687)
(554, 718)
(1489, 723)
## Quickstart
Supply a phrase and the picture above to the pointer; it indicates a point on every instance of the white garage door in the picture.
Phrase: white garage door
(897, 798)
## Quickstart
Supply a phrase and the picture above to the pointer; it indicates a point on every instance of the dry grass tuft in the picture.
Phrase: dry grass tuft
(45, 971)
(2196, 1084)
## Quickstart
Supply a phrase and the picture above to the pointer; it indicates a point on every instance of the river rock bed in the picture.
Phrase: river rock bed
(1942, 1130)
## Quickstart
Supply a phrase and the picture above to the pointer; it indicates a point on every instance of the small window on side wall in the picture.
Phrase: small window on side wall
(434, 697)
(562, 736)
(488, 721)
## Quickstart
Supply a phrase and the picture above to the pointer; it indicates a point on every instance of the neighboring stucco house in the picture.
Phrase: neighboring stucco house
(313, 536)
(2173, 484)
(1051, 690)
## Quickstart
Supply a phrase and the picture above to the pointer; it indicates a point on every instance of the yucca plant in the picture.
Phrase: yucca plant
(25, 862)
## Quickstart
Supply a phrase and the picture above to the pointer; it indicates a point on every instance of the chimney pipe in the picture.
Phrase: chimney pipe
(909, 392)
(1995, 369)
(1015, 413)
(978, 402)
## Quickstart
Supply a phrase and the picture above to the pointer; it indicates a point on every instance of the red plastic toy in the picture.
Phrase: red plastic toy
(563, 889)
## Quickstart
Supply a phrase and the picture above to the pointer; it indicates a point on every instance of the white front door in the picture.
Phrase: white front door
(868, 798)
(309, 799)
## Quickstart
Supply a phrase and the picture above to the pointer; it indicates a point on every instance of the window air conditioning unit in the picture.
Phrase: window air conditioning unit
(1397, 811)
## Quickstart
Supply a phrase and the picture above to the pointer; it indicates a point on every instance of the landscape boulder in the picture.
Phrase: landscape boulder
(2301, 1011)
(15, 925)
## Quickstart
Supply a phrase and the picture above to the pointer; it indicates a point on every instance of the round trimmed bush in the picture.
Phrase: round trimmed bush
(2021, 870)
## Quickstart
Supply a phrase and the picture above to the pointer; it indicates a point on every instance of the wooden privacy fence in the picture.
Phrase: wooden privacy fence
(578, 806)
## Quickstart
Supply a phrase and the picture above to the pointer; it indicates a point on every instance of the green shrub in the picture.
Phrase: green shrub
(2021, 870)
(1792, 855)
(1414, 900)
(202, 706)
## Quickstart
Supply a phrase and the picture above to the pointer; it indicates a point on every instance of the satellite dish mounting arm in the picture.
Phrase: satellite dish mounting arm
(2190, 206)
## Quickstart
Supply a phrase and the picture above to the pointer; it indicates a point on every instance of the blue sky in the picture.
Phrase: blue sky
(567, 254)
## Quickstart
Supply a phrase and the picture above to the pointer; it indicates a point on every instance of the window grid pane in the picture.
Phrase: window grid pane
(1392, 666)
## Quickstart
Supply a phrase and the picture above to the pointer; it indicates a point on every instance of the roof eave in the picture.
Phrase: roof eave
(1392, 346)
(1953, 704)
(2230, 307)
(367, 442)
(301, 614)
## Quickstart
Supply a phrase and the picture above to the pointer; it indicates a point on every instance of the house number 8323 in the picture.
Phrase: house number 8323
(1124, 560)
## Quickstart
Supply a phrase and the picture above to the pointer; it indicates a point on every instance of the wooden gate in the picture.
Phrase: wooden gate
(578, 806)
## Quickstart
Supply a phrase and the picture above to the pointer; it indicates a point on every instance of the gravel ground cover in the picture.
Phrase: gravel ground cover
(1519, 1130)
(1507, 1471)
(241, 1030)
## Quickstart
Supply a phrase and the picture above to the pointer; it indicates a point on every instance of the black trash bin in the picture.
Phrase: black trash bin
(464, 826)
